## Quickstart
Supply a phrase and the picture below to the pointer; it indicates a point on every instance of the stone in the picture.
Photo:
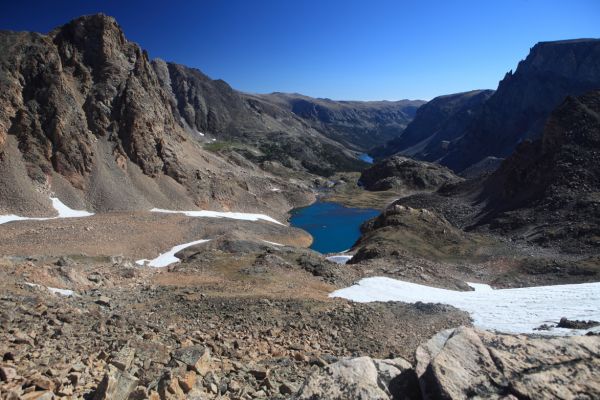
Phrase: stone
(467, 362)
(45, 395)
(169, 389)
(187, 381)
(259, 372)
(123, 359)
(116, 385)
(103, 301)
(7, 374)
(195, 357)
(354, 378)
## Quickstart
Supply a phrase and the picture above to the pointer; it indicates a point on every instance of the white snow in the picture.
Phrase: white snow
(517, 310)
(220, 214)
(273, 243)
(167, 258)
(275, 190)
(339, 259)
(62, 292)
(63, 210)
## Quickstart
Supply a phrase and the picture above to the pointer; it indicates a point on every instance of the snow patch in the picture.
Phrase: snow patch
(62, 292)
(518, 310)
(61, 208)
(275, 190)
(65, 211)
(167, 258)
(220, 214)
(339, 259)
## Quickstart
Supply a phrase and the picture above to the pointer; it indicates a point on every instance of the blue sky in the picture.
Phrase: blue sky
(341, 49)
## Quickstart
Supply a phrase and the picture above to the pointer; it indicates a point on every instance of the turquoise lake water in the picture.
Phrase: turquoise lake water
(333, 227)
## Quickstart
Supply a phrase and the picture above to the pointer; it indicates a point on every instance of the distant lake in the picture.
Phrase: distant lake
(366, 158)
(333, 227)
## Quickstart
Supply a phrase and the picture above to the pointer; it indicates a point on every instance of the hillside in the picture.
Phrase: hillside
(359, 125)
(436, 124)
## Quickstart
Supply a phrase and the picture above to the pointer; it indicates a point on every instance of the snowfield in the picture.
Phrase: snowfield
(61, 208)
(220, 214)
(506, 310)
(168, 258)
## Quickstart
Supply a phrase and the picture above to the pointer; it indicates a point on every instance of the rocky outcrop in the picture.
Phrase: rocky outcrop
(524, 100)
(435, 125)
(547, 192)
(401, 230)
(359, 125)
(407, 175)
(358, 378)
(465, 363)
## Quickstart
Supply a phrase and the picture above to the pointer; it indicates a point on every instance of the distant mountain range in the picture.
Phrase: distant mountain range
(462, 129)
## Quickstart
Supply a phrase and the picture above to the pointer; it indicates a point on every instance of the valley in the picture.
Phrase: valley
(165, 236)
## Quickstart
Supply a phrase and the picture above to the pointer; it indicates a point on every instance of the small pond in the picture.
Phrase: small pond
(334, 228)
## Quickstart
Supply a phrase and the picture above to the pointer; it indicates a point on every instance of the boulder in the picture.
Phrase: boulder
(353, 378)
(196, 358)
(465, 362)
(116, 385)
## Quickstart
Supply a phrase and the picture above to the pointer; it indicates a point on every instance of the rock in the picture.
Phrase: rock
(7, 374)
(575, 324)
(195, 357)
(187, 381)
(103, 301)
(259, 372)
(116, 385)
(356, 378)
(123, 358)
(466, 362)
(169, 389)
(45, 395)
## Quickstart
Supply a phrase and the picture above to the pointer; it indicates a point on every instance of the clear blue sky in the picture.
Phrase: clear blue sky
(341, 49)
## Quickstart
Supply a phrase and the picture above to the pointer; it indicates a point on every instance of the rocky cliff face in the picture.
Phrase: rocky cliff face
(548, 190)
(85, 113)
(525, 99)
(359, 125)
(436, 123)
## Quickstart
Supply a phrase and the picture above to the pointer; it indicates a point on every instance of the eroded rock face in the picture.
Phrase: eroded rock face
(524, 99)
(407, 175)
(552, 183)
(86, 114)
(464, 363)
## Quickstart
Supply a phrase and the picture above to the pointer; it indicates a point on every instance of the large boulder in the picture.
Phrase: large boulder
(356, 378)
(465, 363)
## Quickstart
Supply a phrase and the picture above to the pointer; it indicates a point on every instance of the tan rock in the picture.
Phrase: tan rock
(466, 362)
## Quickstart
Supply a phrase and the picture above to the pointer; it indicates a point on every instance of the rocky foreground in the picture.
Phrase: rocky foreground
(264, 331)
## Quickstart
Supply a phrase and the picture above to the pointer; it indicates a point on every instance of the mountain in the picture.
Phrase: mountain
(85, 113)
(548, 191)
(524, 100)
(436, 123)
(359, 125)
